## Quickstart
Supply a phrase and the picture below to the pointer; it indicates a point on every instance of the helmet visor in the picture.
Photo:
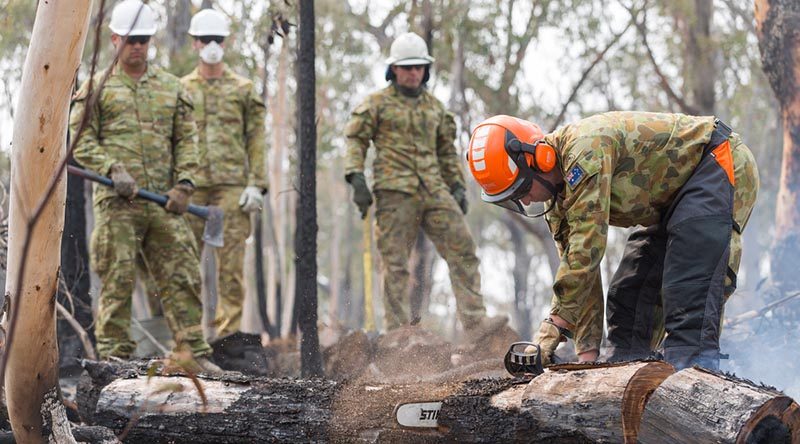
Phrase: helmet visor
(532, 211)
(510, 198)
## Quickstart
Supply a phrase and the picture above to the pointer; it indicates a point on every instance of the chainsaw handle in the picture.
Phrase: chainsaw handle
(160, 199)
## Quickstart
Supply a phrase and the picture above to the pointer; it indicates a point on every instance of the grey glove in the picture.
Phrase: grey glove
(124, 184)
(179, 197)
(460, 195)
(361, 194)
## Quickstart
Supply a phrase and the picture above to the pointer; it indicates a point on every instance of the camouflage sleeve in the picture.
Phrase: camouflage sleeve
(359, 133)
(449, 162)
(255, 137)
(88, 151)
(578, 297)
(589, 328)
(184, 139)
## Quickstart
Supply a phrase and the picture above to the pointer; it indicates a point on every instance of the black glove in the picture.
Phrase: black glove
(361, 194)
(460, 195)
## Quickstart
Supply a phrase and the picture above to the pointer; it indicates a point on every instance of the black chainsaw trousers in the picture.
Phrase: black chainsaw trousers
(686, 258)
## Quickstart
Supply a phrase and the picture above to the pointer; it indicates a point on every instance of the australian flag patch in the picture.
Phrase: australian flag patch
(575, 176)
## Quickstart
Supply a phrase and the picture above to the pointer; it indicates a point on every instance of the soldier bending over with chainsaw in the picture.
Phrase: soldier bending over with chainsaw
(689, 182)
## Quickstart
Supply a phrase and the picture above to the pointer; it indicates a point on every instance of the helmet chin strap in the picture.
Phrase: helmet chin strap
(553, 189)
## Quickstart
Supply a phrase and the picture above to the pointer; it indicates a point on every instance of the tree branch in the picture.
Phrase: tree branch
(642, 28)
(82, 335)
(586, 73)
(379, 32)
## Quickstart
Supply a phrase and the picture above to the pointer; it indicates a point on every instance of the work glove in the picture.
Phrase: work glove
(361, 194)
(460, 195)
(548, 337)
(251, 200)
(124, 184)
(179, 197)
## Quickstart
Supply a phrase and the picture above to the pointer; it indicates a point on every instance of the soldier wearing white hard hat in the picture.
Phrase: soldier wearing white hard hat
(230, 116)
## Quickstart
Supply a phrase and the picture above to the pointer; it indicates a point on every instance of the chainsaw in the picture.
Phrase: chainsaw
(523, 361)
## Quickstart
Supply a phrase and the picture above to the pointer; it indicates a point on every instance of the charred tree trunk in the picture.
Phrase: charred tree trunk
(778, 30)
(75, 275)
(306, 232)
(40, 130)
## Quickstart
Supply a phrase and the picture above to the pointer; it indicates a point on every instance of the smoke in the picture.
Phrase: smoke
(767, 347)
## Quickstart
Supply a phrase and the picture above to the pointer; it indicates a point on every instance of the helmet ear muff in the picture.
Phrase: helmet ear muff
(539, 156)
(544, 157)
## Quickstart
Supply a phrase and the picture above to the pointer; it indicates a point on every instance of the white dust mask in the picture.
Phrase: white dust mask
(212, 53)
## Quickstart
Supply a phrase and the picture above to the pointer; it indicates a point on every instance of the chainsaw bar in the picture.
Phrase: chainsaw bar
(418, 414)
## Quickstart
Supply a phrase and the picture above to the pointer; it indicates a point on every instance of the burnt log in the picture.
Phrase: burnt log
(698, 406)
(170, 408)
(569, 403)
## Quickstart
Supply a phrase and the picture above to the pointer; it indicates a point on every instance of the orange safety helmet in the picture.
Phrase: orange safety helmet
(504, 155)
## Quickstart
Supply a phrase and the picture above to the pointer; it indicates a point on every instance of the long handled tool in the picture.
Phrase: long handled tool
(212, 232)
(369, 314)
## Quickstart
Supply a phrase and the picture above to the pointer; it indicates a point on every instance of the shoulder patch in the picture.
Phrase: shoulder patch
(575, 175)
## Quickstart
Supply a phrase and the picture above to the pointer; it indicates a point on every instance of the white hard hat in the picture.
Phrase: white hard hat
(126, 11)
(209, 22)
(409, 49)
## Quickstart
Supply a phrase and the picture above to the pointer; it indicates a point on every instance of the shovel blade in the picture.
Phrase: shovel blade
(212, 233)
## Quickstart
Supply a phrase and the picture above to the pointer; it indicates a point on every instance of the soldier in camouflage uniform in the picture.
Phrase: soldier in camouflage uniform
(418, 183)
(141, 133)
(230, 121)
(689, 181)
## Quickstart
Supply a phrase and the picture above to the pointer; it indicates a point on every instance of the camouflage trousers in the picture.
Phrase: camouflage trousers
(399, 217)
(641, 305)
(124, 231)
(230, 257)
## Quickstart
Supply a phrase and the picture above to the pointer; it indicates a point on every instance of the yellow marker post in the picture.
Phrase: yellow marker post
(369, 315)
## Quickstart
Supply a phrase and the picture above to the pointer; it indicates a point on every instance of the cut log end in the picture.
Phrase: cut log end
(695, 406)
(766, 424)
(643, 383)
(791, 417)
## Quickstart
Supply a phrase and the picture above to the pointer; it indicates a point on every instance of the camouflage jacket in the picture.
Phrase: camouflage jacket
(230, 128)
(622, 169)
(145, 125)
(413, 138)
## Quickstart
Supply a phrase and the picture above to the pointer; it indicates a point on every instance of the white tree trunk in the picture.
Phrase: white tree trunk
(59, 34)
